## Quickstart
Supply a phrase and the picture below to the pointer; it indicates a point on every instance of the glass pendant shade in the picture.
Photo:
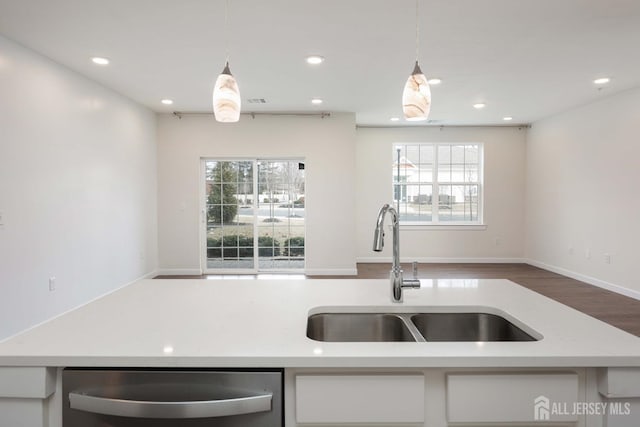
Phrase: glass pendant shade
(416, 97)
(226, 97)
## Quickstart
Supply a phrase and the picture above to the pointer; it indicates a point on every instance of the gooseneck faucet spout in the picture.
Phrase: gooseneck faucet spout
(395, 275)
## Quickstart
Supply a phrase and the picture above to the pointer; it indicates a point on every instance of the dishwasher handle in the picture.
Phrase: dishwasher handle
(153, 409)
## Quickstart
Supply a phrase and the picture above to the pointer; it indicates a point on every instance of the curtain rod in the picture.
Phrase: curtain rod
(253, 115)
(441, 126)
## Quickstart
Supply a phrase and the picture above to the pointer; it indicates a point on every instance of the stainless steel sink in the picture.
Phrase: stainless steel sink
(357, 327)
(413, 327)
(467, 327)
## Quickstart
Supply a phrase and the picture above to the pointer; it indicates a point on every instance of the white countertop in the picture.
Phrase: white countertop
(262, 323)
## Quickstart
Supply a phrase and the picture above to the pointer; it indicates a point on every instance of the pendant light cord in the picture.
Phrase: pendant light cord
(226, 28)
(417, 30)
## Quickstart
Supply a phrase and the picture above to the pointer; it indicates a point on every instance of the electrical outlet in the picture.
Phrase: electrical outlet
(607, 259)
(497, 241)
(1, 220)
(587, 253)
(52, 284)
(570, 250)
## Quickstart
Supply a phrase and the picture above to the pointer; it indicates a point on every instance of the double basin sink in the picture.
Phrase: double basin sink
(413, 327)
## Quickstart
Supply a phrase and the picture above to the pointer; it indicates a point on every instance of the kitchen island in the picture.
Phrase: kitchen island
(262, 324)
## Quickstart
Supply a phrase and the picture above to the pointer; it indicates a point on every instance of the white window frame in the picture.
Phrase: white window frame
(435, 222)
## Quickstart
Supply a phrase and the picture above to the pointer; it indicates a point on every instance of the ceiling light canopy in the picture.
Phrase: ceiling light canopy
(226, 94)
(99, 60)
(315, 59)
(416, 96)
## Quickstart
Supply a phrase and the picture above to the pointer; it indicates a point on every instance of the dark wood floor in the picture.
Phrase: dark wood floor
(617, 310)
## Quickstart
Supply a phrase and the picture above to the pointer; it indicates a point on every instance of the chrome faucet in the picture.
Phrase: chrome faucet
(397, 282)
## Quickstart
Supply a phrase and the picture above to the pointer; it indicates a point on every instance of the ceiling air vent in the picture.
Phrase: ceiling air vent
(257, 101)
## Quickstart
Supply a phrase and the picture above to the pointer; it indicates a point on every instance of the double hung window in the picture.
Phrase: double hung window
(438, 183)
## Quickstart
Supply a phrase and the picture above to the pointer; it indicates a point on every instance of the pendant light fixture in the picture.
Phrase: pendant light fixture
(226, 94)
(416, 97)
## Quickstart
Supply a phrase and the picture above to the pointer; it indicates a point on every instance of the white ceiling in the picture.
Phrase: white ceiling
(524, 58)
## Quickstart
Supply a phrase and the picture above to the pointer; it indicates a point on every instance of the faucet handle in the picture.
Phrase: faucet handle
(415, 269)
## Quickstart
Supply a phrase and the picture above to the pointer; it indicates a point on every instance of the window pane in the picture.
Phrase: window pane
(229, 235)
(425, 173)
(444, 154)
(212, 172)
(459, 203)
(397, 192)
(457, 173)
(426, 153)
(471, 173)
(214, 215)
(471, 202)
(413, 154)
(412, 193)
(471, 153)
(228, 171)
(423, 202)
(403, 152)
(444, 173)
(457, 154)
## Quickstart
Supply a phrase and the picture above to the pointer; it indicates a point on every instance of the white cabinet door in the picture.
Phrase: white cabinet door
(507, 397)
(360, 398)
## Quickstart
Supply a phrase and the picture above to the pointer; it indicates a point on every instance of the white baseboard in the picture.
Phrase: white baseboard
(331, 271)
(178, 272)
(149, 275)
(445, 260)
(587, 279)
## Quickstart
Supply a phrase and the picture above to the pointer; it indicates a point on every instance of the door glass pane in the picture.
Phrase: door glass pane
(229, 221)
(281, 215)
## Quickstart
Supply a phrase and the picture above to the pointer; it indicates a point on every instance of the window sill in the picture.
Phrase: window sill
(444, 227)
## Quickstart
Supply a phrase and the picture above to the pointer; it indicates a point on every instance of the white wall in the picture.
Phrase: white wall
(328, 147)
(504, 151)
(583, 176)
(77, 189)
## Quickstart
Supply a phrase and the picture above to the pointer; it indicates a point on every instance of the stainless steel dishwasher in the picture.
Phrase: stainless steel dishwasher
(172, 398)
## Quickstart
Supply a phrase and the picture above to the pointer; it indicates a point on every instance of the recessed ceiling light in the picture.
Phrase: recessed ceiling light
(479, 106)
(602, 81)
(315, 59)
(507, 118)
(316, 101)
(100, 61)
(167, 101)
(395, 119)
(435, 81)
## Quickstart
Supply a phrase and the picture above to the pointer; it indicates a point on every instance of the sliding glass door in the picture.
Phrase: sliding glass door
(253, 215)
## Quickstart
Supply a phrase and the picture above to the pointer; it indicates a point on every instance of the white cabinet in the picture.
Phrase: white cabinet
(620, 389)
(511, 397)
(363, 398)
(24, 393)
(436, 397)
(619, 382)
